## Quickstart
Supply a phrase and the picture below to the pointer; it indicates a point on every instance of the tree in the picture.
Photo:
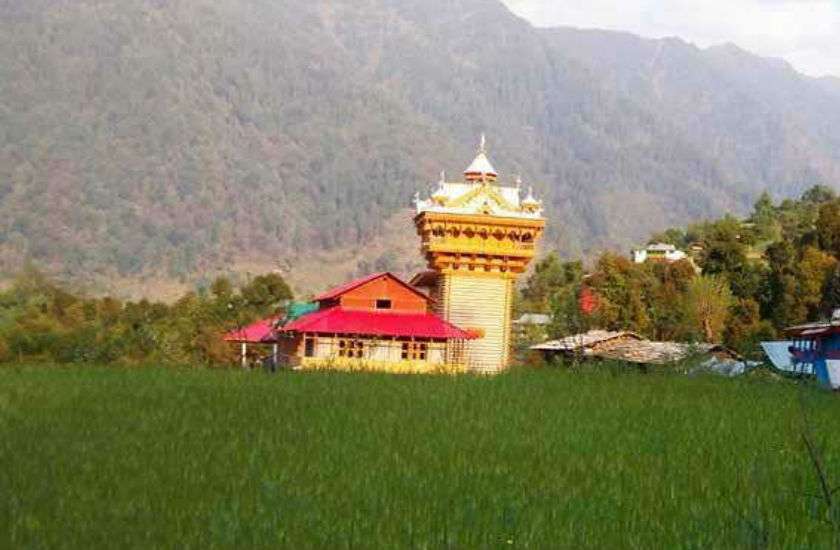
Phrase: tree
(725, 252)
(675, 236)
(828, 227)
(624, 290)
(764, 218)
(814, 269)
(706, 307)
(674, 279)
(745, 328)
(265, 292)
(780, 260)
(831, 292)
(748, 280)
(567, 316)
(551, 275)
(221, 288)
(818, 194)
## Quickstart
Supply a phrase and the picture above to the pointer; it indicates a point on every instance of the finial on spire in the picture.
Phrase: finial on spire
(481, 170)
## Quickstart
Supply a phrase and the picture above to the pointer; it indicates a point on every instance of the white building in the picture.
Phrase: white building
(659, 252)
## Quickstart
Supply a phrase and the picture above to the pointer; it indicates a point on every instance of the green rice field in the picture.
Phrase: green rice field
(153, 457)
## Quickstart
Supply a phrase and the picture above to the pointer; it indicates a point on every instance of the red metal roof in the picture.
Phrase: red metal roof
(337, 320)
(260, 332)
(347, 287)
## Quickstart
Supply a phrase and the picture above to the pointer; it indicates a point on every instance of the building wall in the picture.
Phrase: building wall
(481, 303)
(370, 365)
(371, 353)
(826, 365)
(384, 288)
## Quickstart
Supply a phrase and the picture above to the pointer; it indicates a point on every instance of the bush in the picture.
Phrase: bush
(5, 354)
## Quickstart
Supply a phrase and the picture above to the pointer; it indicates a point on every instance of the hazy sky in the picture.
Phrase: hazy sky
(804, 32)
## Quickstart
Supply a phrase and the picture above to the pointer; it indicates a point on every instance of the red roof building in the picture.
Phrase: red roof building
(261, 332)
(378, 322)
(337, 320)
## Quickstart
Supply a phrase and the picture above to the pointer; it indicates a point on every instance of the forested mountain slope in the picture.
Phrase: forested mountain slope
(173, 137)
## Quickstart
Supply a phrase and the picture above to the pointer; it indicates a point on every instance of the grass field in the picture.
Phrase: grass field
(102, 457)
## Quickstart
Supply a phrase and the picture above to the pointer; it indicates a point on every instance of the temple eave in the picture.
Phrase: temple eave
(500, 253)
(479, 219)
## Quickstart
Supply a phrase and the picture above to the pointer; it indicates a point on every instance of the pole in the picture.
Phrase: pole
(244, 354)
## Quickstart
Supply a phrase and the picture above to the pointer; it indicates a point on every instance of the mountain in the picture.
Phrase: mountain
(161, 139)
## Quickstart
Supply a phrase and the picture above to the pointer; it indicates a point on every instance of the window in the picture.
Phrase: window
(414, 351)
(353, 349)
(309, 347)
(383, 304)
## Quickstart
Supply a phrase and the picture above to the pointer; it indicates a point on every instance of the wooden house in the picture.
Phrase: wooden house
(378, 322)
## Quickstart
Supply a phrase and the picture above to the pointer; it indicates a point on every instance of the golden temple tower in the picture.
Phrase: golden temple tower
(478, 236)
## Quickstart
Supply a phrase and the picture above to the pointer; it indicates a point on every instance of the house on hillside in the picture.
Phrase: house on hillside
(378, 322)
(658, 252)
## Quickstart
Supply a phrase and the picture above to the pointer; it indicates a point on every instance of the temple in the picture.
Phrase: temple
(478, 236)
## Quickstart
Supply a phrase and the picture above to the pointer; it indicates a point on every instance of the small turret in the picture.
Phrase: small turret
(530, 204)
(439, 196)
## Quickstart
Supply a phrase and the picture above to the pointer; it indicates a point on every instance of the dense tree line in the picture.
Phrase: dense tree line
(40, 320)
(744, 281)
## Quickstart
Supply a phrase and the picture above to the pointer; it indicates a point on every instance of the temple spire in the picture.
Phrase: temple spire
(481, 169)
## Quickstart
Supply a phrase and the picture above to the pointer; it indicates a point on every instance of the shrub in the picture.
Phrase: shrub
(5, 354)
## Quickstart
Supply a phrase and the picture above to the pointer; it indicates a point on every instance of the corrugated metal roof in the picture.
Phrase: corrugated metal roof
(632, 348)
(585, 340)
(779, 354)
(337, 320)
(658, 353)
(260, 332)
